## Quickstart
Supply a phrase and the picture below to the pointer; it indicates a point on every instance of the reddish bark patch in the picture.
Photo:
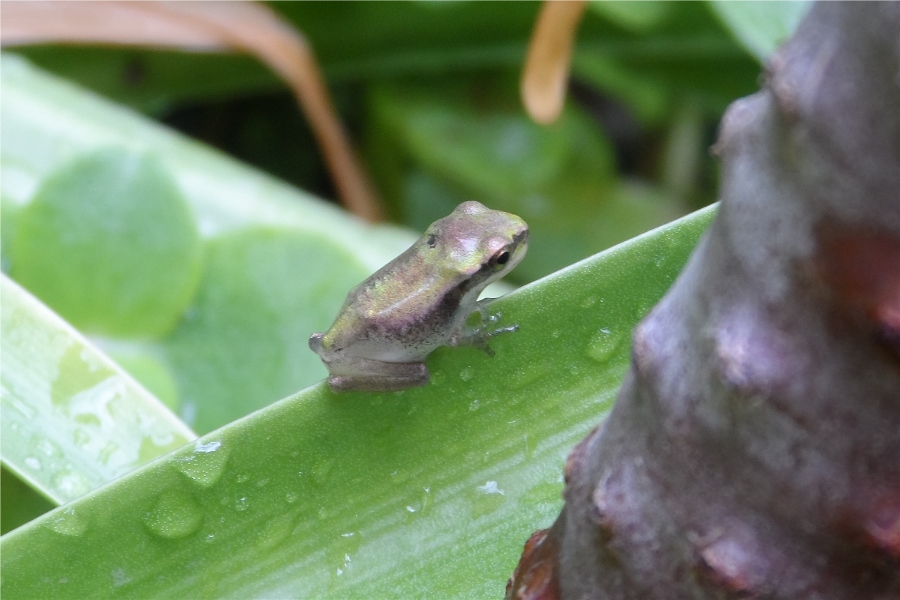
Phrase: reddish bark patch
(862, 266)
(535, 576)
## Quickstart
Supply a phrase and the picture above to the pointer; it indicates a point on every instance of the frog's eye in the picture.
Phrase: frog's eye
(500, 259)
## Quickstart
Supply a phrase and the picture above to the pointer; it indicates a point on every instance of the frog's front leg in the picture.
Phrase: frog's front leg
(479, 335)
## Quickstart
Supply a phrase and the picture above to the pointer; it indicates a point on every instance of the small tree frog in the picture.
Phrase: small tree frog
(421, 300)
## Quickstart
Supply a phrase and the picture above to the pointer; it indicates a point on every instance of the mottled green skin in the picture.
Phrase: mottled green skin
(420, 300)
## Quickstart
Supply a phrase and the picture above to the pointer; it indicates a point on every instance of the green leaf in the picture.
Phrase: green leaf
(72, 419)
(244, 342)
(426, 492)
(110, 244)
(761, 26)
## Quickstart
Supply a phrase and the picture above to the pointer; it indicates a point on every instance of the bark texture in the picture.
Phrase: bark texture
(754, 450)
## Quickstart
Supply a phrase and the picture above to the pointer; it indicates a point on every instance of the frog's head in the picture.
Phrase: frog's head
(480, 245)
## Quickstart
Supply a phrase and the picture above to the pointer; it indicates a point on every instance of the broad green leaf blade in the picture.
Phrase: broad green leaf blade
(761, 26)
(72, 419)
(429, 492)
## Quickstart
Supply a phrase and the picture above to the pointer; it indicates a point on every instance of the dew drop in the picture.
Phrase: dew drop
(321, 470)
(205, 464)
(66, 522)
(426, 501)
(466, 374)
(490, 487)
(399, 476)
(276, 530)
(47, 447)
(33, 463)
(175, 515)
(70, 483)
(524, 378)
(487, 498)
(588, 302)
(208, 447)
(603, 345)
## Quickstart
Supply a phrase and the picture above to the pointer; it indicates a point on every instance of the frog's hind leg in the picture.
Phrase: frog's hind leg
(367, 375)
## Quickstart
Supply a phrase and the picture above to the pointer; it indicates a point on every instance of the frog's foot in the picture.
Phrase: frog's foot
(367, 375)
(479, 335)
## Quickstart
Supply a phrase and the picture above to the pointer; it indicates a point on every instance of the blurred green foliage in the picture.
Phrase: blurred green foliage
(430, 92)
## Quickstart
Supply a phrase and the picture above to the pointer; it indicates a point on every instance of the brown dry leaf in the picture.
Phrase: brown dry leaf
(205, 26)
(549, 56)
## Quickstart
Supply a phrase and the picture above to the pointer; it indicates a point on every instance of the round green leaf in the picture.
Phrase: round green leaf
(110, 244)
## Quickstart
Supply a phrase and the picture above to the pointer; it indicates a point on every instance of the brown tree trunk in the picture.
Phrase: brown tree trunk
(754, 450)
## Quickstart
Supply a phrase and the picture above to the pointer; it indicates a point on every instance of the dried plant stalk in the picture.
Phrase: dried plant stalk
(546, 71)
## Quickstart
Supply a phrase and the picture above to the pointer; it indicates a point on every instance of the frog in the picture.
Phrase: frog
(422, 300)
